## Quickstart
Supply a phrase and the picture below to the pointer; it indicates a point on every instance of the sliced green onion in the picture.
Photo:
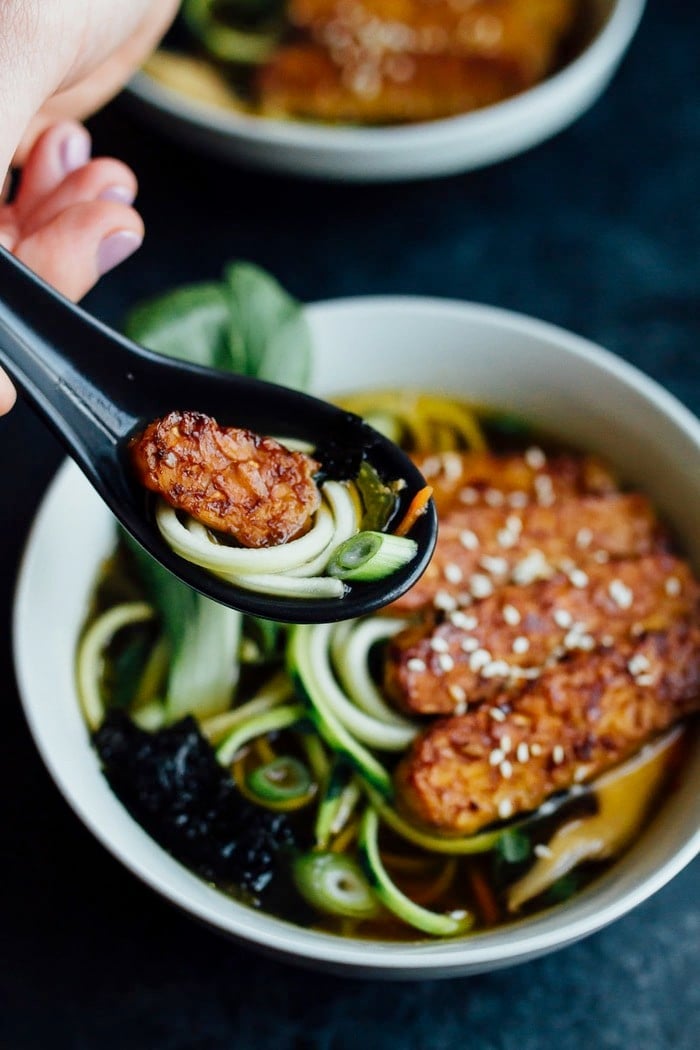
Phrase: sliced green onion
(391, 896)
(371, 556)
(335, 884)
(281, 780)
(269, 722)
(91, 652)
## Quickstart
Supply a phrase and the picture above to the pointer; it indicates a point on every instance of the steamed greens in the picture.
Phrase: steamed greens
(247, 324)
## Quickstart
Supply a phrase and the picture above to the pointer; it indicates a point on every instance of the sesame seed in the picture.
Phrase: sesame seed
(638, 664)
(566, 564)
(469, 539)
(514, 524)
(506, 743)
(511, 615)
(607, 640)
(535, 458)
(457, 693)
(443, 600)
(575, 639)
(445, 662)
(496, 669)
(464, 622)
(439, 645)
(497, 566)
(480, 586)
(544, 490)
(580, 774)
(497, 714)
(521, 644)
(563, 619)
(579, 578)
(505, 808)
(542, 851)
(621, 594)
(496, 757)
(461, 707)
(452, 465)
(452, 573)
(645, 679)
(506, 769)
(417, 665)
(584, 538)
(517, 500)
(602, 557)
(673, 587)
(558, 755)
(431, 467)
(469, 645)
(479, 659)
(494, 498)
(532, 567)
(535, 750)
(523, 752)
(506, 538)
(468, 496)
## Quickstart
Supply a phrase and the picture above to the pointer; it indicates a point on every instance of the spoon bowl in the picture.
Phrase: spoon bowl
(96, 389)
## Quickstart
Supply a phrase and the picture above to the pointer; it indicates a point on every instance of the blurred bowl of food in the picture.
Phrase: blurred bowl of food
(396, 89)
(474, 823)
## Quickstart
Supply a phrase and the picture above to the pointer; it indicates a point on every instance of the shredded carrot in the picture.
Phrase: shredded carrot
(485, 898)
(418, 506)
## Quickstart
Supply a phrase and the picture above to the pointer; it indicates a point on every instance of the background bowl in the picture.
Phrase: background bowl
(438, 147)
(490, 356)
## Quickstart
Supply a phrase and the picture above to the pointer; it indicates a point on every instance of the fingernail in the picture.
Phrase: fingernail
(115, 248)
(74, 151)
(120, 194)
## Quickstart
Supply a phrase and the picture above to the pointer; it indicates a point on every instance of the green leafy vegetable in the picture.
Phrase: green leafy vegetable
(514, 846)
(204, 639)
(246, 323)
(379, 499)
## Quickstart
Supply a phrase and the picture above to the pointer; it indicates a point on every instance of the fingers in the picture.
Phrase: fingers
(7, 394)
(103, 179)
(61, 150)
(81, 244)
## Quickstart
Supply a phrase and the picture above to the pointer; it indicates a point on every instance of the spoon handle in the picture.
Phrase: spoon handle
(49, 346)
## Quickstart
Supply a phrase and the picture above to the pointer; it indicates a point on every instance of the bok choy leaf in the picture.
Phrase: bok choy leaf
(248, 324)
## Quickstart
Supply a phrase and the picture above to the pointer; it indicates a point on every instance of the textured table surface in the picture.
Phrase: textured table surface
(598, 230)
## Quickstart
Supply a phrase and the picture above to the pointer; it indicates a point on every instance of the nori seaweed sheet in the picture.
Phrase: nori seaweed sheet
(172, 784)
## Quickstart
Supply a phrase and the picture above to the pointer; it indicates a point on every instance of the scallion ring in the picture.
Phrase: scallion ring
(283, 780)
(334, 883)
(371, 556)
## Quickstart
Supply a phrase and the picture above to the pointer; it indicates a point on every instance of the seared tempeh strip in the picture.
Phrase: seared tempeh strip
(232, 480)
(468, 479)
(438, 667)
(482, 548)
(581, 717)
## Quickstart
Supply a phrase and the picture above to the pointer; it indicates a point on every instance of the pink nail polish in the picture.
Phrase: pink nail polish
(115, 248)
(120, 194)
(74, 151)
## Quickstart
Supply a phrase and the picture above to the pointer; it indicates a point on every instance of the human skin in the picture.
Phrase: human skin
(71, 218)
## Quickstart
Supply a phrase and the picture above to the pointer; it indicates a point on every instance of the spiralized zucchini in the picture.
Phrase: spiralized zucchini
(420, 422)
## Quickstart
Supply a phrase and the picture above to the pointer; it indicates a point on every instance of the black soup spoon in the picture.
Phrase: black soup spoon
(96, 389)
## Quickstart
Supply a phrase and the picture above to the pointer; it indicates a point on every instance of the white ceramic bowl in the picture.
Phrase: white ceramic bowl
(437, 147)
(491, 356)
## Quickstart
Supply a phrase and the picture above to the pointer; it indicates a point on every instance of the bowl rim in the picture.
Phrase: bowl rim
(603, 52)
(294, 943)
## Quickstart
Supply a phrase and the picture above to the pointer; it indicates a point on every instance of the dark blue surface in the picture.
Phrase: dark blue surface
(598, 230)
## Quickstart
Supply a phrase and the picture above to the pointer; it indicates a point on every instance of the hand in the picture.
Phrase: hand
(90, 49)
(71, 219)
